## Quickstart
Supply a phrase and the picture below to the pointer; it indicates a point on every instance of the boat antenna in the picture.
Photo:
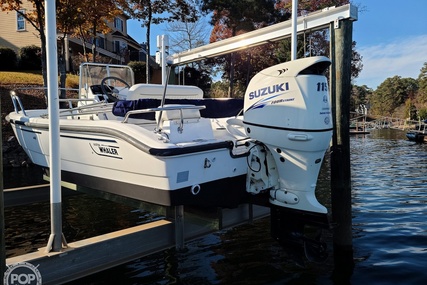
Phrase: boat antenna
(169, 62)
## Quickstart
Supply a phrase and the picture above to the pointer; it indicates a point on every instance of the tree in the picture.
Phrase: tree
(231, 18)
(410, 110)
(422, 81)
(92, 18)
(82, 18)
(187, 35)
(196, 77)
(317, 42)
(359, 97)
(392, 93)
(422, 114)
(159, 11)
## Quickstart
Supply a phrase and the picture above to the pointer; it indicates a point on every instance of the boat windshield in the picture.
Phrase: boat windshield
(93, 73)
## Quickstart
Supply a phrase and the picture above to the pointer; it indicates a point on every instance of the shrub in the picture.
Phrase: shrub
(422, 113)
(30, 58)
(139, 71)
(7, 59)
(72, 81)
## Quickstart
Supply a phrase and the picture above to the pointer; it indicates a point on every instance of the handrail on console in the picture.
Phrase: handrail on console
(17, 101)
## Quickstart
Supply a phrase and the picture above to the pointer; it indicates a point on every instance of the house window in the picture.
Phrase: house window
(119, 47)
(100, 42)
(118, 24)
(116, 46)
(20, 20)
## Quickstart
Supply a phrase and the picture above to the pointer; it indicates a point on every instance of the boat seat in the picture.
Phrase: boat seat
(191, 127)
(169, 115)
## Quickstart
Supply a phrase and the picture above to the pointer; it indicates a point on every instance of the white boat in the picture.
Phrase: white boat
(418, 133)
(186, 150)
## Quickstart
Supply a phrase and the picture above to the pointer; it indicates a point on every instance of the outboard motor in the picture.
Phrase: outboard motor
(287, 110)
(287, 113)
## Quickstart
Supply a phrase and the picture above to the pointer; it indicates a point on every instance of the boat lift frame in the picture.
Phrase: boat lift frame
(73, 262)
(311, 22)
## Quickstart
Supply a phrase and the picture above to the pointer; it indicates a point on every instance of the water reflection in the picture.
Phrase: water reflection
(27, 227)
(23, 176)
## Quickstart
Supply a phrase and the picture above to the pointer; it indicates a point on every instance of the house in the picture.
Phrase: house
(114, 47)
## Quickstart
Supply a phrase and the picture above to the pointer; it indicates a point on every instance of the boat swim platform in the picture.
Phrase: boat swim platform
(177, 226)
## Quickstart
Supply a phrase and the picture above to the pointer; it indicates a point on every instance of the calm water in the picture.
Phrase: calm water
(389, 186)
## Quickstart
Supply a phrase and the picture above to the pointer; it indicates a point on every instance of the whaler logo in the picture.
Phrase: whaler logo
(282, 87)
(105, 150)
(108, 150)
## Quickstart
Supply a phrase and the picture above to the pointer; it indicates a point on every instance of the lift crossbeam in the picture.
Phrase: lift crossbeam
(311, 22)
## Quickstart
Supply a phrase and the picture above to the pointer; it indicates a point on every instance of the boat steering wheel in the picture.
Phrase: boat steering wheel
(110, 91)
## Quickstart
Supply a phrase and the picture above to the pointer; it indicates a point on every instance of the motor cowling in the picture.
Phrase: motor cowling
(287, 109)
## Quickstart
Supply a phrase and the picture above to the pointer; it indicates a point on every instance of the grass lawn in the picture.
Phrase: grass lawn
(32, 78)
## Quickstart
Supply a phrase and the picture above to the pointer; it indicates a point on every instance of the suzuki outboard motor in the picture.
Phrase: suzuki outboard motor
(287, 113)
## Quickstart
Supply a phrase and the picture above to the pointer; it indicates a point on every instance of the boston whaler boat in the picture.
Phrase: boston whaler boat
(180, 149)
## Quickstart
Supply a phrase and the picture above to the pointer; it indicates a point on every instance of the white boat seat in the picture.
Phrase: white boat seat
(188, 127)
(169, 115)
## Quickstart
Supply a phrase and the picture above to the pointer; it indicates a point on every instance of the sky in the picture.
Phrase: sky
(390, 35)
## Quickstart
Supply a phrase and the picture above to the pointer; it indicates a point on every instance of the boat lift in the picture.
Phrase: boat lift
(89, 256)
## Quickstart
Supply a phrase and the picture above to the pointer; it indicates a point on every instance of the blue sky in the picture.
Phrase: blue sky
(391, 36)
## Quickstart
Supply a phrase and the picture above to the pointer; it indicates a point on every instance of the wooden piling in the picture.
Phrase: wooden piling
(341, 53)
(2, 227)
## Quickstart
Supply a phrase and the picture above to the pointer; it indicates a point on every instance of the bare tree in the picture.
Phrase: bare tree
(159, 11)
(187, 35)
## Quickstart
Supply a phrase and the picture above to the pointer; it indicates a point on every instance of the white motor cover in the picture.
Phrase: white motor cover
(287, 108)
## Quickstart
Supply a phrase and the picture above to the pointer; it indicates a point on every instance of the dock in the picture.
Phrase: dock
(85, 257)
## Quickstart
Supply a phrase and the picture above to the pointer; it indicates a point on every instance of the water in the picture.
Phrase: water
(389, 183)
(389, 190)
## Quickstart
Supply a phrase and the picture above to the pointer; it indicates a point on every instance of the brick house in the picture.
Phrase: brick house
(117, 46)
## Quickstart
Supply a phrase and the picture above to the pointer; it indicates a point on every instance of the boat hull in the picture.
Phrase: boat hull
(227, 192)
(112, 159)
(416, 137)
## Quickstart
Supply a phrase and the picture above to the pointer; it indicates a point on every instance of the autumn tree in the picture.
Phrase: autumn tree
(317, 42)
(82, 18)
(92, 18)
(231, 18)
(253, 60)
(159, 11)
(422, 81)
